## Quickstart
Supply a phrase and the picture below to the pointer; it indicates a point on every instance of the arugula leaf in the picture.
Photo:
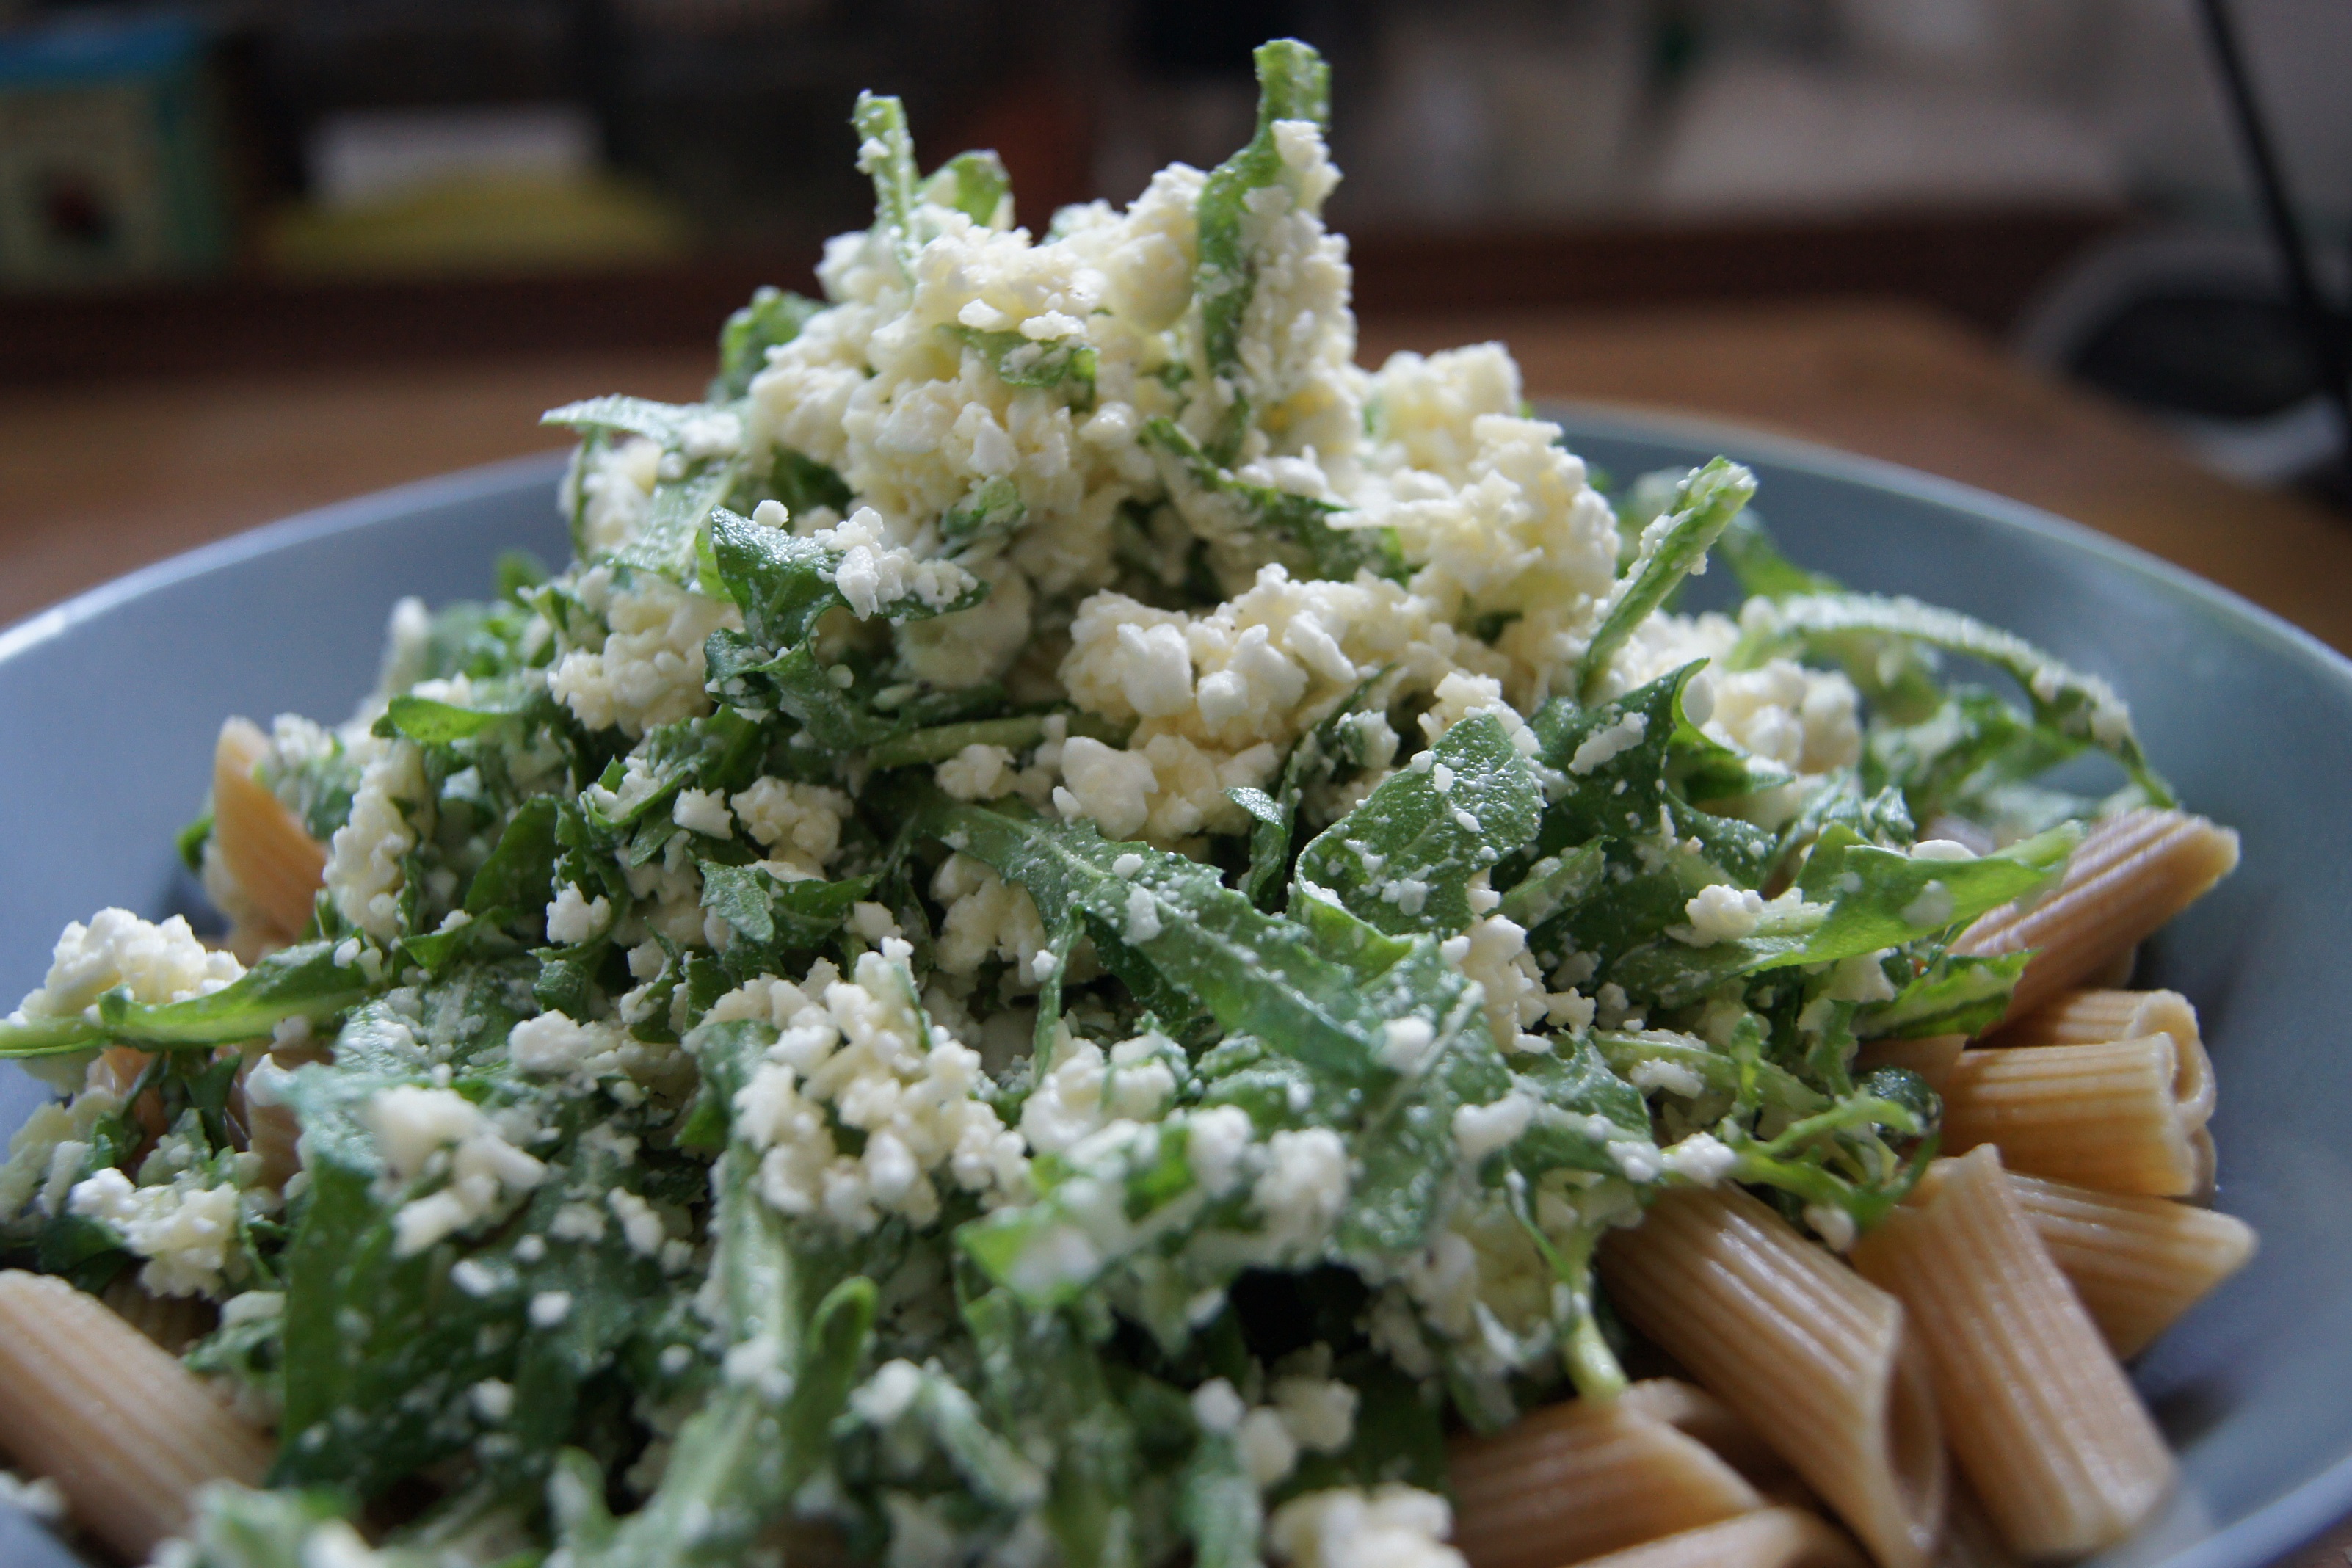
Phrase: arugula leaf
(1292, 84)
(303, 980)
(1970, 745)
(975, 185)
(740, 1457)
(803, 484)
(885, 153)
(519, 871)
(1337, 742)
(670, 542)
(662, 423)
(1953, 995)
(995, 507)
(1252, 972)
(1672, 547)
(1402, 860)
(774, 317)
(2075, 705)
(1218, 1505)
(1250, 523)
(1756, 560)
(1020, 361)
(1552, 884)
(771, 917)
(783, 582)
(1884, 898)
(433, 721)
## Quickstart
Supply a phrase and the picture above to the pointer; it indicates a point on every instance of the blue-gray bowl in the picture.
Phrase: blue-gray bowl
(114, 700)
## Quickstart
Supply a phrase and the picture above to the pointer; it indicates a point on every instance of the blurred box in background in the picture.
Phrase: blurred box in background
(109, 153)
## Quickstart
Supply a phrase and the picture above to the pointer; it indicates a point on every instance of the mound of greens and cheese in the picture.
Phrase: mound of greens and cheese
(1055, 945)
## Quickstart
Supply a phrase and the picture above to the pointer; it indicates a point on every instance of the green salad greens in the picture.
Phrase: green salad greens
(1054, 946)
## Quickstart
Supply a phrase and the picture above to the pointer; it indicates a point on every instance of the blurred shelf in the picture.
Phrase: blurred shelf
(1981, 266)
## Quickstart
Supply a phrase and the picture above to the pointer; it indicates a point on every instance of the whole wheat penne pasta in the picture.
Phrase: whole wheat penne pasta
(263, 847)
(126, 1432)
(175, 1322)
(1931, 1056)
(2039, 1413)
(1812, 1356)
(1970, 1539)
(2093, 1018)
(1774, 1538)
(2137, 1263)
(1694, 1412)
(2132, 873)
(2086, 1018)
(1577, 1479)
(2111, 1116)
(2203, 1164)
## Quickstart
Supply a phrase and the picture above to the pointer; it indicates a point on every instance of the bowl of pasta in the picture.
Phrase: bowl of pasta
(1079, 931)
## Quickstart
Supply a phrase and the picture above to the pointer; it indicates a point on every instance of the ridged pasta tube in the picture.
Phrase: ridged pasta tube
(1577, 1479)
(1773, 1538)
(263, 847)
(2118, 1115)
(173, 1322)
(1810, 1354)
(2131, 874)
(1970, 1539)
(2086, 1018)
(125, 1431)
(2038, 1411)
(1694, 1412)
(1930, 1056)
(2136, 1263)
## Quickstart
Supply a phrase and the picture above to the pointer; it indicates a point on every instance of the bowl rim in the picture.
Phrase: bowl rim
(2295, 1519)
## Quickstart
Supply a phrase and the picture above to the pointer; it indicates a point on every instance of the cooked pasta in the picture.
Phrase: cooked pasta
(173, 1322)
(2039, 1415)
(1696, 1412)
(1930, 1056)
(1971, 1541)
(2137, 1263)
(127, 1433)
(1578, 1480)
(263, 847)
(1774, 1538)
(2087, 1017)
(2120, 1115)
(1814, 1358)
(2132, 874)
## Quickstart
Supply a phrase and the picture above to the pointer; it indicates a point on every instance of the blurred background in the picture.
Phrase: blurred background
(273, 184)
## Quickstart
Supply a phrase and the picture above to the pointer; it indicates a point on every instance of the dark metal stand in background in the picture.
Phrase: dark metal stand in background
(2328, 327)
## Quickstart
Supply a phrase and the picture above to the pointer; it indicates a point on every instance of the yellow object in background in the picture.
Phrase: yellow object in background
(478, 223)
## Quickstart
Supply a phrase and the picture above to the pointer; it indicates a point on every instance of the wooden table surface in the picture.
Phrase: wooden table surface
(97, 479)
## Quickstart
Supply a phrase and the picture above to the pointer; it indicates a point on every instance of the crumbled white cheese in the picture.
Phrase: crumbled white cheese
(155, 963)
(1701, 1159)
(412, 1126)
(1720, 912)
(865, 1050)
(1480, 1130)
(649, 668)
(184, 1229)
(799, 824)
(392, 804)
(572, 920)
(703, 811)
(1303, 1189)
(1388, 1526)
